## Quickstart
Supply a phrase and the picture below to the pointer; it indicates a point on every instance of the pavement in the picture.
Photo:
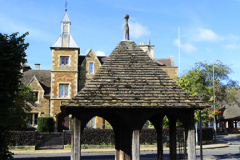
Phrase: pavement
(68, 151)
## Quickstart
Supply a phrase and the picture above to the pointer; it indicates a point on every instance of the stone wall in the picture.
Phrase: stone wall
(42, 105)
(73, 60)
(84, 72)
(171, 71)
(58, 78)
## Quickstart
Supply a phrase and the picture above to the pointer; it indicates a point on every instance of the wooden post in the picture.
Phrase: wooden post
(135, 145)
(159, 145)
(77, 138)
(225, 127)
(72, 140)
(172, 133)
(157, 122)
(184, 141)
(191, 137)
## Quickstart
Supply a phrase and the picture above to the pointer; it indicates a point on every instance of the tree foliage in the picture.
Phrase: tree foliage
(199, 80)
(12, 55)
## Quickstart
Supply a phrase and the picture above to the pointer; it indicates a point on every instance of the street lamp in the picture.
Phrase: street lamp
(215, 126)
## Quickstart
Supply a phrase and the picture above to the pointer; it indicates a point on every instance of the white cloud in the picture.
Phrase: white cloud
(187, 47)
(232, 38)
(100, 53)
(230, 46)
(137, 30)
(209, 50)
(206, 35)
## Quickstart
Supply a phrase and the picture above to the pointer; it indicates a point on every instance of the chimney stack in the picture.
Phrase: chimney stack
(37, 66)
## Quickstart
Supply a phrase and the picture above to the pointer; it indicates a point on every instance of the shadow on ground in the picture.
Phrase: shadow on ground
(227, 156)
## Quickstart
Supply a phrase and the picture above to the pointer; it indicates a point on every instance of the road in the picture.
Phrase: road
(229, 153)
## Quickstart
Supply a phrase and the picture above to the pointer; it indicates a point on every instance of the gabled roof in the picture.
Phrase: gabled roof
(101, 59)
(34, 78)
(131, 79)
(43, 77)
(166, 61)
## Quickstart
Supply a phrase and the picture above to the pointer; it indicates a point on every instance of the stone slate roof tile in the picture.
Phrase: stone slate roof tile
(43, 76)
(231, 111)
(129, 78)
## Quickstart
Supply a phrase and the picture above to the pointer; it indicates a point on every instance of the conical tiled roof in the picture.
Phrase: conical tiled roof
(131, 79)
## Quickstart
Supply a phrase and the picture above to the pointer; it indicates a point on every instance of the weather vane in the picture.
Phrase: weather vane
(66, 4)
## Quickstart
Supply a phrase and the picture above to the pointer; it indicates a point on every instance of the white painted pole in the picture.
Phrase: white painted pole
(179, 45)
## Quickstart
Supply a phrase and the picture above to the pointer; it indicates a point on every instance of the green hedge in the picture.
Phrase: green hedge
(45, 124)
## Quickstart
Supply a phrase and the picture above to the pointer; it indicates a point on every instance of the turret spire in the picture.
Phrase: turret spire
(126, 28)
(65, 39)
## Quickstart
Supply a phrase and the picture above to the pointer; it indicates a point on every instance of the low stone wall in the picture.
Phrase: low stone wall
(22, 148)
(106, 146)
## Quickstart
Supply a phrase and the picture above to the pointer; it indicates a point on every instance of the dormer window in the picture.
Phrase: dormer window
(91, 69)
(64, 60)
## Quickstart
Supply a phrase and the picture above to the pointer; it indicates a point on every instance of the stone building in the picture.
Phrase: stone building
(69, 73)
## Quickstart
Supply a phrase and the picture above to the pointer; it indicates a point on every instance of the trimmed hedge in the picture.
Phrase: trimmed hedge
(93, 136)
(103, 136)
(106, 136)
(207, 134)
(45, 124)
(22, 138)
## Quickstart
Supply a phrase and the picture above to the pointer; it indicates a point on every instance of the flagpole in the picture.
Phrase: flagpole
(179, 45)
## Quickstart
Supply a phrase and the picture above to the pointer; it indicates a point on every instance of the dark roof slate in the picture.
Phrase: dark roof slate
(43, 76)
(166, 62)
(131, 79)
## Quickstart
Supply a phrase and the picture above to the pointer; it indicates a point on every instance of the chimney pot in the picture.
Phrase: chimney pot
(148, 41)
(37, 66)
(126, 28)
(143, 43)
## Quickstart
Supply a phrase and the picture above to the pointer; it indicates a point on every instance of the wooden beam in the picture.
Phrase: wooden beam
(135, 145)
(159, 145)
(77, 138)
(172, 138)
(72, 140)
(191, 137)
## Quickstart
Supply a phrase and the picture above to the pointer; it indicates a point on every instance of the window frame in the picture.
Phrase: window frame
(64, 90)
(34, 93)
(32, 119)
(65, 59)
(90, 68)
(92, 123)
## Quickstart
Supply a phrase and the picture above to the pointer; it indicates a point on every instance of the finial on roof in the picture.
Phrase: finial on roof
(66, 4)
(126, 28)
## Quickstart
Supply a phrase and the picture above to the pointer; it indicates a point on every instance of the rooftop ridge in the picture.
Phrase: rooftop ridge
(129, 78)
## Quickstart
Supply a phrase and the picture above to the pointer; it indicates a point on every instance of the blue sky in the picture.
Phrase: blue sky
(210, 29)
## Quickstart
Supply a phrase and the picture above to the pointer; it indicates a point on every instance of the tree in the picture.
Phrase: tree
(199, 80)
(21, 107)
(12, 55)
